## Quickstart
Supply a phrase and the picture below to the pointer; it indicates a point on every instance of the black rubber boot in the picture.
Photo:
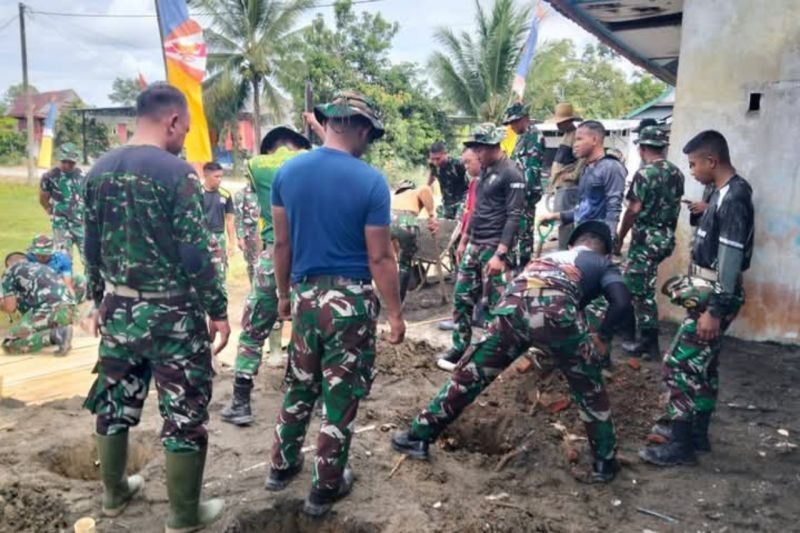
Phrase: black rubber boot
(320, 501)
(604, 470)
(700, 432)
(238, 412)
(405, 443)
(679, 450)
(278, 480)
(405, 279)
(62, 339)
(447, 361)
(647, 348)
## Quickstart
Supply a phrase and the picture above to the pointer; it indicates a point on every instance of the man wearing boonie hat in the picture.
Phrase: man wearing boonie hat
(566, 168)
(61, 196)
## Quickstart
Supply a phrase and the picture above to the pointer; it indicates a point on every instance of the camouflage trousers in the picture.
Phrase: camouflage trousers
(219, 253)
(33, 331)
(528, 315)
(474, 286)
(166, 339)
(252, 249)
(691, 367)
(66, 235)
(450, 210)
(332, 353)
(640, 274)
(259, 316)
(523, 248)
(405, 232)
(79, 283)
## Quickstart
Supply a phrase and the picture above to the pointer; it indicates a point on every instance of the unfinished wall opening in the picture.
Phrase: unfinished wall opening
(754, 105)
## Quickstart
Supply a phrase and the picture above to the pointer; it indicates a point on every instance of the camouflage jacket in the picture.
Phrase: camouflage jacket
(66, 195)
(528, 154)
(245, 205)
(453, 180)
(145, 227)
(659, 187)
(35, 286)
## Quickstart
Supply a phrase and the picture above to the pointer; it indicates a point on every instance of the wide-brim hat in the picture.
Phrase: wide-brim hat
(564, 112)
(283, 132)
(597, 227)
(486, 134)
(350, 103)
(405, 185)
(41, 245)
(644, 123)
(653, 136)
(514, 112)
(68, 152)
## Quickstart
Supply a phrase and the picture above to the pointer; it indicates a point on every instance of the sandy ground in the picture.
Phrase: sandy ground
(504, 466)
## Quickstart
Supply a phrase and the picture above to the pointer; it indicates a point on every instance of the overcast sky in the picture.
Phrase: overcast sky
(86, 54)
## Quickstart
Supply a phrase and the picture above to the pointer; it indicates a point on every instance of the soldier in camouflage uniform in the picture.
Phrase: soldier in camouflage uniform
(247, 213)
(541, 307)
(41, 251)
(528, 154)
(484, 251)
(330, 255)
(260, 314)
(453, 181)
(61, 195)
(46, 305)
(721, 252)
(160, 306)
(654, 203)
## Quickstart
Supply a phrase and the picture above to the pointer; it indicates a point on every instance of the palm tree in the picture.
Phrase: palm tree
(223, 100)
(475, 70)
(244, 40)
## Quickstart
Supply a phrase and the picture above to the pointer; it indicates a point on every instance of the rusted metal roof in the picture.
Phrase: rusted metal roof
(647, 32)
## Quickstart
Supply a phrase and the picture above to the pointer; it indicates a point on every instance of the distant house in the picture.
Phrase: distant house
(660, 108)
(41, 104)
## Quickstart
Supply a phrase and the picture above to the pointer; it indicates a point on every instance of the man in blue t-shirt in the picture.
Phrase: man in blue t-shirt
(331, 216)
(42, 251)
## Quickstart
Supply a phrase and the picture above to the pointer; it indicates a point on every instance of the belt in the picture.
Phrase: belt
(546, 293)
(128, 292)
(707, 274)
(333, 280)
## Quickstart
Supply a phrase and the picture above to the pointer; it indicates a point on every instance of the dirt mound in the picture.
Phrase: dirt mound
(34, 509)
(286, 517)
(412, 356)
(77, 459)
(533, 412)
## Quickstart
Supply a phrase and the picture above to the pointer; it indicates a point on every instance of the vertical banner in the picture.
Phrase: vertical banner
(46, 148)
(518, 87)
(185, 57)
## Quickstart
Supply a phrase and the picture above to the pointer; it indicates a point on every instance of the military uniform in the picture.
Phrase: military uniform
(151, 274)
(66, 200)
(499, 206)
(60, 263)
(247, 212)
(453, 182)
(541, 307)
(218, 204)
(406, 205)
(528, 154)
(722, 250)
(45, 303)
(658, 186)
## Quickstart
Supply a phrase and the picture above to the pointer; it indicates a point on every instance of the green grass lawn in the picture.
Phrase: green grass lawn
(21, 217)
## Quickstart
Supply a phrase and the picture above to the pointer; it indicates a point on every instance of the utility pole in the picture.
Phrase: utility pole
(27, 92)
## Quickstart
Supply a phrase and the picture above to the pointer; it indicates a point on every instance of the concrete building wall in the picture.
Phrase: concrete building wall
(730, 50)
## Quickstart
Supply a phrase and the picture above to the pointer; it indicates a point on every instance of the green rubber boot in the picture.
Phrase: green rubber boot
(184, 484)
(112, 452)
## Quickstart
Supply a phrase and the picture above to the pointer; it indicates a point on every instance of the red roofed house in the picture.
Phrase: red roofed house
(41, 104)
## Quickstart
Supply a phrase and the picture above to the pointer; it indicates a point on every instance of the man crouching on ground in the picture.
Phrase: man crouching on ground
(541, 308)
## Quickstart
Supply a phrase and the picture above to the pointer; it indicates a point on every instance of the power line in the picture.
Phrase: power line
(153, 15)
(7, 23)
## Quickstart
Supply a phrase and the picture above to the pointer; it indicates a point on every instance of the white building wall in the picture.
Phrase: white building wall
(730, 49)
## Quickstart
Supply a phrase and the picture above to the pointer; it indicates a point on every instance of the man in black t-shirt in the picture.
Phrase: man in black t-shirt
(542, 308)
(721, 252)
(219, 211)
(453, 181)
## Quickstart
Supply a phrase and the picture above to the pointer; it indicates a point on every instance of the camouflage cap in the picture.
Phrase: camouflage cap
(486, 134)
(515, 112)
(350, 103)
(41, 245)
(68, 152)
(653, 136)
